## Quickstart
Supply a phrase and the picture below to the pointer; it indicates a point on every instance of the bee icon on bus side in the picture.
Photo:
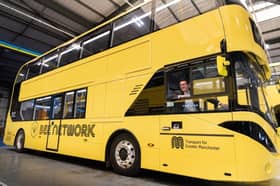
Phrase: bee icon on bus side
(177, 142)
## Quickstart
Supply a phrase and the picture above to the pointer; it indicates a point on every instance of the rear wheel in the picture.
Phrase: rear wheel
(19, 142)
(125, 155)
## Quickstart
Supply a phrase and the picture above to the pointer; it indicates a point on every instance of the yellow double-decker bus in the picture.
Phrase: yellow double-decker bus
(173, 86)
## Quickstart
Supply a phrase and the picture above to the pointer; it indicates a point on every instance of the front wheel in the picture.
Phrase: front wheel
(19, 142)
(125, 155)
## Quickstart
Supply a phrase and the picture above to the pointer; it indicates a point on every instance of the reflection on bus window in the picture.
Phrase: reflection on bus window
(69, 105)
(49, 62)
(70, 54)
(246, 85)
(169, 12)
(57, 107)
(26, 110)
(206, 80)
(42, 108)
(97, 41)
(132, 25)
(34, 69)
(22, 75)
(80, 107)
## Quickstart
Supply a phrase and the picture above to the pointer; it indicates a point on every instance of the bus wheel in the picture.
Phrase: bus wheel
(19, 142)
(125, 155)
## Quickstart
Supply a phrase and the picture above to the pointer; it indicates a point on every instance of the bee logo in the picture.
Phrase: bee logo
(34, 129)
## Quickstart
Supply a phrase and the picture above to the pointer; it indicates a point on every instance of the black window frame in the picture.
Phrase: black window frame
(34, 110)
(62, 95)
(73, 106)
(190, 64)
(75, 103)
(75, 45)
(150, 24)
(53, 53)
(30, 65)
(256, 33)
(90, 36)
(32, 116)
(25, 67)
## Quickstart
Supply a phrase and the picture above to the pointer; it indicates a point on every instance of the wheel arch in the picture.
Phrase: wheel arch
(20, 129)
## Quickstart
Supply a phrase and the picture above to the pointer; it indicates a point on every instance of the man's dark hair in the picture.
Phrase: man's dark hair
(183, 80)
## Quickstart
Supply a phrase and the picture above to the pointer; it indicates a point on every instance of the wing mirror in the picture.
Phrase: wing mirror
(222, 64)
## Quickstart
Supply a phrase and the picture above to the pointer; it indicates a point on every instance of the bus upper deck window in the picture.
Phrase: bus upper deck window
(34, 69)
(170, 12)
(70, 54)
(135, 24)
(97, 41)
(22, 74)
(49, 62)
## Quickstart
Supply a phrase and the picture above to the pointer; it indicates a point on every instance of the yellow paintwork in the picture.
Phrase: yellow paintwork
(222, 64)
(239, 35)
(273, 95)
(111, 75)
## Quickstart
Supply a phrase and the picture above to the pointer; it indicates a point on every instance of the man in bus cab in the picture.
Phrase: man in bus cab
(184, 93)
(193, 106)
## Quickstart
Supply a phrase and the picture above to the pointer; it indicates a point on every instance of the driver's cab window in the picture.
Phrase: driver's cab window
(196, 88)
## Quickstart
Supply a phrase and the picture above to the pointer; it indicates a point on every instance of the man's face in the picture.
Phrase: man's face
(184, 87)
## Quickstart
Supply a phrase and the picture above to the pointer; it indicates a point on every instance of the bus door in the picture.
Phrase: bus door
(54, 123)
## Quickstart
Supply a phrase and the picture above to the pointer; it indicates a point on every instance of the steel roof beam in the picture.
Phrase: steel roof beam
(51, 4)
(28, 37)
(90, 8)
(270, 49)
(271, 30)
(114, 3)
(274, 1)
(35, 27)
(31, 11)
(119, 10)
(273, 41)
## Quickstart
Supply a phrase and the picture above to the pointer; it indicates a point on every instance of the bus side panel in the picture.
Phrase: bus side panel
(122, 64)
(10, 132)
(273, 95)
(135, 56)
(36, 134)
(81, 138)
(198, 146)
(96, 101)
(190, 39)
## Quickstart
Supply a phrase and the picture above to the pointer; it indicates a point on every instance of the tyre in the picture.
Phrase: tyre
(19, 142)
(125, 155)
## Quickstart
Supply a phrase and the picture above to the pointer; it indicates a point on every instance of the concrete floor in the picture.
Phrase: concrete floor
(44, 169)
